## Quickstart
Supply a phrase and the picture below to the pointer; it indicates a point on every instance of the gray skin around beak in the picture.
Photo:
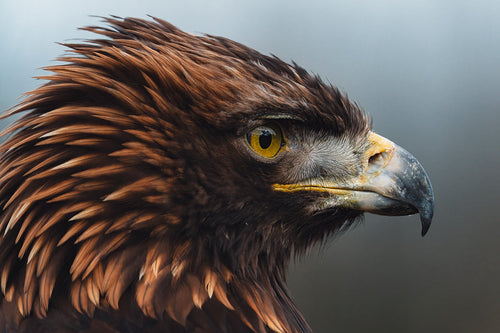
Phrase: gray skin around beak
(392, 182)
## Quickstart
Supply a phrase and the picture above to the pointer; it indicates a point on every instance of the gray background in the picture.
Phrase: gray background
(429, 74)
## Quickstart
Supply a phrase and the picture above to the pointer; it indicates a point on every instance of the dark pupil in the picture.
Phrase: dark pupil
(265, 139)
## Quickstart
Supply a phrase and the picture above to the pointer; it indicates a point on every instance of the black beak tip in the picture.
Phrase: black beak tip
(426, 217)
(426, 224)
(426, 210)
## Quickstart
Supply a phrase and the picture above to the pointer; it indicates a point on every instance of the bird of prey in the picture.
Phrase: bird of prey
(160, 181)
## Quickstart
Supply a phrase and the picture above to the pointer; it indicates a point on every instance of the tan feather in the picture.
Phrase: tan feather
(91, 185)
(6, 267)
(30, 287)
(80, 160)
(98, 276)
(80, 299)
(100, 171)
(9, 293)
(92, 291)
(123, 222)
(262, 304)
(41, 164)
(141, 135)
(72, 231)
(155, 199)
(80, 128)
(87, 142)
(105, 249)
(68, 196)
(129, 189)
(220, 293)
(30, 237)
(21, 140)
(37, 244)
(143, 219)
(198, 293)
(210, 282)
(46, 192)
(119, 272)
(58, 139)
(48, 279)
(18, 212)
(86, 253)
(91, 211)
(45, 256)
(27, 223)
(93, 230)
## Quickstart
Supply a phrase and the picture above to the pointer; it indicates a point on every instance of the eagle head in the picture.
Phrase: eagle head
(161, 181)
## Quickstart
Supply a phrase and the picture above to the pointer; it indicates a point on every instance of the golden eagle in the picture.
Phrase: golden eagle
(160, 182)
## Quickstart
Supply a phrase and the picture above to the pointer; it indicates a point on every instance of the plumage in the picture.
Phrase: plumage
(143, 189)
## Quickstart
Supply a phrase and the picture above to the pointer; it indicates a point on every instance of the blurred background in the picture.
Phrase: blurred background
(427, 71)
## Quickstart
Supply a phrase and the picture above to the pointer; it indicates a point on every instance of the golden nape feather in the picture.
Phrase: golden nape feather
(160, 181)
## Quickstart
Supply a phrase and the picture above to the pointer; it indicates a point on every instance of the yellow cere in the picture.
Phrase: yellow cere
(378, 145)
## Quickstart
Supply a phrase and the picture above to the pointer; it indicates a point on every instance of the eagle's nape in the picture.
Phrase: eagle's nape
(160, 182)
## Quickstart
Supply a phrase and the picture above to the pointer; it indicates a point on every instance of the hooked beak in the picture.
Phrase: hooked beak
(392, 182)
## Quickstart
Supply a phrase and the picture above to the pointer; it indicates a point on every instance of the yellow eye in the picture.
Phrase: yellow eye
(266, 140)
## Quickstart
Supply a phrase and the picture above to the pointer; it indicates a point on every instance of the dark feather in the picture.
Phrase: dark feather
(126, 202)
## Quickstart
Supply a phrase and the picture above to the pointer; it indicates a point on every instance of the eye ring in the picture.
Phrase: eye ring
(266, 140)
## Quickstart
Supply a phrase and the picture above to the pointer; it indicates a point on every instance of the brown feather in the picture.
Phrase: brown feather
(128, 203)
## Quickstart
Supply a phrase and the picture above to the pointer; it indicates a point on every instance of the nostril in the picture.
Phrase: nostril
(377, 159)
